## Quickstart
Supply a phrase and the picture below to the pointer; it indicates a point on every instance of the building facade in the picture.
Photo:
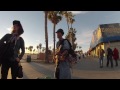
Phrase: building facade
(105, 35)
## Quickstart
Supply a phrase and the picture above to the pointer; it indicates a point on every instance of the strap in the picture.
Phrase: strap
(62, 42)
(12, 39)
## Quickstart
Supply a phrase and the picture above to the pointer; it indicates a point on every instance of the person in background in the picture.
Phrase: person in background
(101, 56)
(116, 55)
(19, 44)
(109, 56)
(78, 56)
(83, 55)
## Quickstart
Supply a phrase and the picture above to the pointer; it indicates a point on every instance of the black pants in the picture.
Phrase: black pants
(109, 58)
(5, 68)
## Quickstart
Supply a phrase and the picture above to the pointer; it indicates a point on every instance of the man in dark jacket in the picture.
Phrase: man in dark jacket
(18, 41)
(109, 57)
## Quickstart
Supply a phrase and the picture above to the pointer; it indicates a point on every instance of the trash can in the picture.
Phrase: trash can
(28, 58)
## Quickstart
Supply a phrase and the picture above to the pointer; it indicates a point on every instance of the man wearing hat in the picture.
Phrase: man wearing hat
(62, 66)
(18, 41)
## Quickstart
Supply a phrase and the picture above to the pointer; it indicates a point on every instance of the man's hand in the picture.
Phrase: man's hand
(17, 59)
(64, 53)
(58, 53)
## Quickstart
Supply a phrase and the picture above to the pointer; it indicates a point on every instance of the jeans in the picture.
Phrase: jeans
(63, 71)
(109, 58)
(101, 61)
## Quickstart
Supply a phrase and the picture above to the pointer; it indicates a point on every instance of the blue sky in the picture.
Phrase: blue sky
(33, 24)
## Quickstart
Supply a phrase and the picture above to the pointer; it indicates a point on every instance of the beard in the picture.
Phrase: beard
(15, 33)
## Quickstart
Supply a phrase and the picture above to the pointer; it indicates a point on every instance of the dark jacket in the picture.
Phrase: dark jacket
(19, 45)
(109, 52)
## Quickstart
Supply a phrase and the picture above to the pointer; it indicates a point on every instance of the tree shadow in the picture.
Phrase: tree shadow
(43, 70)
(25, 76)
(94, 65)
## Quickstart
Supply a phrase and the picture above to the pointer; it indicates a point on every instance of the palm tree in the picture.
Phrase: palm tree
(30, 48)
(43, 49)
(46, 37)
(33, 51)
(76, 47)
(67, 15)
(55, 18)
(40, 46)
(37, 48)
(80, 47)
(71, 21)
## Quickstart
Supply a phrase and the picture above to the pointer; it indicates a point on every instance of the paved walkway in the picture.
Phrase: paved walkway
(87, 68)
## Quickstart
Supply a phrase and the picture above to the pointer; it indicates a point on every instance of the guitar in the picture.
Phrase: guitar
(57, 57)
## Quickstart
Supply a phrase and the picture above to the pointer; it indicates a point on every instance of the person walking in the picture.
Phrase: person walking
(101, 56)
(116, 55)
(109, 57)
(18, 42)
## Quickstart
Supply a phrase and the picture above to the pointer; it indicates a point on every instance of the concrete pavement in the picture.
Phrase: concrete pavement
(87, 68)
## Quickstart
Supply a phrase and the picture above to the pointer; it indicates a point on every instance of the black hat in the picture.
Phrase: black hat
(61, 31)
(21, 31)
(16, 22)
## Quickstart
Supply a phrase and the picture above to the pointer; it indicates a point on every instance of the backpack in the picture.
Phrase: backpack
(72, 55)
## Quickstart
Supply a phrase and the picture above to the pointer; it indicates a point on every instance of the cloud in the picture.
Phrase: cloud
(87, 34)
(84, 39)
(37, 40)
(79, 12)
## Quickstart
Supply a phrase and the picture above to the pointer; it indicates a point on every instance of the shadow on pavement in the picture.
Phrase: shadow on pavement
(93, 65)
(25, 76)
(42, 69)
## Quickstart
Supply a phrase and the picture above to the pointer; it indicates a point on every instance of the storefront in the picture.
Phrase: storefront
(106, 35)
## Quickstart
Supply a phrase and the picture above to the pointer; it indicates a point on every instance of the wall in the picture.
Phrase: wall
(95, 51)
(42, 57)
(33, 56)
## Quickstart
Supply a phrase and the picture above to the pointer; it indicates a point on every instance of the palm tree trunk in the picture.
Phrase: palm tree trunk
(67, 24)
(46, 38)
(71, 25)
(54, 25)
